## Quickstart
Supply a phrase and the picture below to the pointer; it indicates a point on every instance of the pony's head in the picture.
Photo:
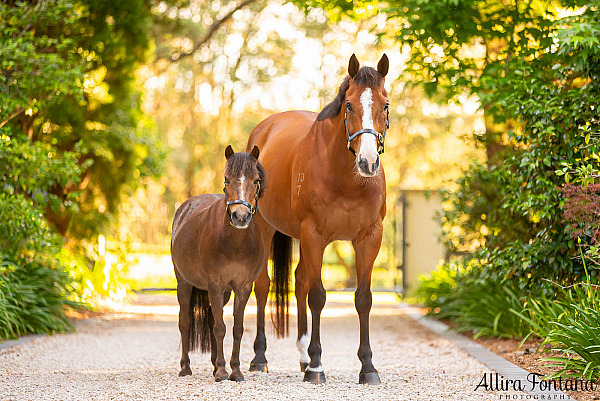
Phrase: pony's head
(364, 101)
(245, 182)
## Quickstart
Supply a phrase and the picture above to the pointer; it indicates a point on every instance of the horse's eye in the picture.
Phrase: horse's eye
(386, 106)
(257, 181)
(227, 181)
(348, 106)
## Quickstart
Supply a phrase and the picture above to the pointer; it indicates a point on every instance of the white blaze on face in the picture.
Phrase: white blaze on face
(368, 142)
(242, 194)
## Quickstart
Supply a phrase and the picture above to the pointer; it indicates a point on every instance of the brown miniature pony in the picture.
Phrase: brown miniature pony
(217, 247)
(330, 186)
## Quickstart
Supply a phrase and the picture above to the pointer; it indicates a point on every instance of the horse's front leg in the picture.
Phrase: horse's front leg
(239, 304)
(366, 246)
(308, 282)
(215, 294)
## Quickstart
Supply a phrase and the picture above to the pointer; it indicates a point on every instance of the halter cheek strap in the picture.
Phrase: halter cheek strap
(380, 137)
(240, 202)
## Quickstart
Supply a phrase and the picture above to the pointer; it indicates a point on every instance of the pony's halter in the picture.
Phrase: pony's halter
(380, 137)
(240, 202)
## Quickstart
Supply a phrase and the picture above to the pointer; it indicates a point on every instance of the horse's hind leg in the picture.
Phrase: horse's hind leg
(215, 294)
(261, 290)
(240, 300)
(308, 280)
(366, 246)
(184, 293)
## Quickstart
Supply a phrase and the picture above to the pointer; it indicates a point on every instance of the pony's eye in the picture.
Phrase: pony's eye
(348, 106)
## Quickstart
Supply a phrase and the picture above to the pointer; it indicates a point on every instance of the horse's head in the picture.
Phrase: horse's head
(366, 113)
(245, 182)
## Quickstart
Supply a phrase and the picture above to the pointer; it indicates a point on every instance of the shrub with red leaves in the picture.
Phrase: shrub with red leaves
(582, 215)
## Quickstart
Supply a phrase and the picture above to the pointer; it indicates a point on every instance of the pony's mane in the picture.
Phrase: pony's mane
(243, 164)
(366, 76)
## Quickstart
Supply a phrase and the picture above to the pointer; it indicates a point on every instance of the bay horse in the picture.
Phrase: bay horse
(330, 186)
(216, 247)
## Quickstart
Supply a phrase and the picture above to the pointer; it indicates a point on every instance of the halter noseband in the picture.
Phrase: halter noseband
(380, 137)
(240, 202)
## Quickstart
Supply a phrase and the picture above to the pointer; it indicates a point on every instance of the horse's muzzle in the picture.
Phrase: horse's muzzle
(240, 218)
(367, 169)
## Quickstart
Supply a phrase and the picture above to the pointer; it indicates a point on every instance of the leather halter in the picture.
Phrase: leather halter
(240, 202)
(380, 137)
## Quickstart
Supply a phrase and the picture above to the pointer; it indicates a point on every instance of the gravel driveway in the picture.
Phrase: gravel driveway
(134, 355)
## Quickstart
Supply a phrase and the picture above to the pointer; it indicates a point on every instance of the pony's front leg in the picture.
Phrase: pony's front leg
(366, 246)
(215, 294)
(239, 304)
(308, 282)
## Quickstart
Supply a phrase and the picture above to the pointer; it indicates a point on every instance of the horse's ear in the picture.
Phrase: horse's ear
(353, 66)
(228, 151)
(383, 65)
(255, 152)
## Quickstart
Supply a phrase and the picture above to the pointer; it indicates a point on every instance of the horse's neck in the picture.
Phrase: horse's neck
(339, 159)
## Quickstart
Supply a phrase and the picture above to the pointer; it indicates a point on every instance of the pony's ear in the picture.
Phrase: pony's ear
(255, 152)
(383, 65)
(353, 66)
(228, 151)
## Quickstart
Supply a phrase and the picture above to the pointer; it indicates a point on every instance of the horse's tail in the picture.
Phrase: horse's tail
(281, 254)
(200, 319)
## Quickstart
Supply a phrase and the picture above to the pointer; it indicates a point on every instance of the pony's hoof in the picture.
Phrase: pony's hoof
(236, 376)
(371, 378)
(314, 377)
(221, 374)
(258, 367)
(185, 372)
(303, 366)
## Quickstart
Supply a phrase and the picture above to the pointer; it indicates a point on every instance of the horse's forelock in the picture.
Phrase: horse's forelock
(366, 76)
(244, 164)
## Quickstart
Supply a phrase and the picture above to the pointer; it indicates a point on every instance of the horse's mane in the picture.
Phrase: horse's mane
(243, 164)
(366, 76)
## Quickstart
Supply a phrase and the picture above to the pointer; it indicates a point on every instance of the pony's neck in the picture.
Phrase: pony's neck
(340, 159)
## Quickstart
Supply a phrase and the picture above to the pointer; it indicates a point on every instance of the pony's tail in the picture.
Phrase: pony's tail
(281, 254)
(200, 319)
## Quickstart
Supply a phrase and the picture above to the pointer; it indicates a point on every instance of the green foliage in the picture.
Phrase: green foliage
(33, 297)
(37, 63)
(473, 301)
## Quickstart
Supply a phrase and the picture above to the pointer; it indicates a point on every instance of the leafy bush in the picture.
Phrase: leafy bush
(474, 302)
(33, 298)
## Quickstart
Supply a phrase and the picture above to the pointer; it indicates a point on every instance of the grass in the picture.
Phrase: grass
(33, 298)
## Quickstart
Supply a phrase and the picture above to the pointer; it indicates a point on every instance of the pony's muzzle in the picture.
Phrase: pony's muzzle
(368, 168)
(240, 217)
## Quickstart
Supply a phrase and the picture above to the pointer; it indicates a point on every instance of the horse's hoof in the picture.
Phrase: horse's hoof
(371, 378)
(314, 377)
(185, 372)
(303, 366)
(236, 376)
(220, 378)
(258, 367)
(221, 374)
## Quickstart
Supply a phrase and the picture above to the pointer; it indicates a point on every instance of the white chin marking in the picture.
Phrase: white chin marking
(302, 346)
(317, 369)
(368, 142)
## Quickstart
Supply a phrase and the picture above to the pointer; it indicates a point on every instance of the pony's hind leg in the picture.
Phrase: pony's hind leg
(184, 294)
(240, 301)
(215, 293)
(366, 246)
